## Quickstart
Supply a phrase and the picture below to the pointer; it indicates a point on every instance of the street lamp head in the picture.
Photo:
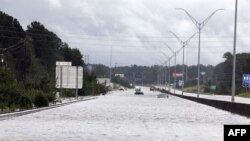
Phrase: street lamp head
(199, 25)
(220, 9)
(180, 9)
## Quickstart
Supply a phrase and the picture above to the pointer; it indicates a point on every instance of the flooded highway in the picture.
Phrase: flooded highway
(123, 116)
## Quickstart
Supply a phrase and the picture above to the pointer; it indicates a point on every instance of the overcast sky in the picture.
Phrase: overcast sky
(137, 30)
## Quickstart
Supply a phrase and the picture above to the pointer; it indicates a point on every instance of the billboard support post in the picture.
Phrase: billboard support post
(76, 82)
(60, 82)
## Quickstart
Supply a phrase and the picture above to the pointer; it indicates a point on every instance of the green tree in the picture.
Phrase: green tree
(41, 100)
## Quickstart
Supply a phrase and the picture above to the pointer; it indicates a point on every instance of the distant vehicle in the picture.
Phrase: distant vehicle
(138, 91)
(152, 88)
(121, 89)
(162, 95)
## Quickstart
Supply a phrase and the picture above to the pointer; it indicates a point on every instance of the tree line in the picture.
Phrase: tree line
(148, 75)
(27, 65)
(219, 75)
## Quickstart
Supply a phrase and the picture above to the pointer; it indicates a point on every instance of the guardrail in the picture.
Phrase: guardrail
(25, 112)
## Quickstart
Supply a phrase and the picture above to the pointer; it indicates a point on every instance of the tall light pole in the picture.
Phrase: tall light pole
(110, 69)
(161, 73)
(234, 51)
(183, 44)
(167, 58)
(174, 54)
(199, 26)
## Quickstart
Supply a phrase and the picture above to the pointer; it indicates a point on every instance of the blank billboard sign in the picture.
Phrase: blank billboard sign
(69, 77)
(60, 63)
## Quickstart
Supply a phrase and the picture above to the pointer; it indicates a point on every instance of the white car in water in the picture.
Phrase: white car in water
(138, 91)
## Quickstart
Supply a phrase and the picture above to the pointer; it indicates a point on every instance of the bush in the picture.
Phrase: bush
(10, 91)
(206, 89)
(12, 108)
(25, 102)
(41, 100)
(102, 89)
(51, 96)
(32, 94)
(68, 93)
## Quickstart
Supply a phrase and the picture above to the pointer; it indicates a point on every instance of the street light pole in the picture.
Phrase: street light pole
(174, 71)
(169, 76)
(169, 64)
(199, 58)
(199, 26)
(162, 72)
(183, 44)
(167, 59)
(183, 69)
(234, 51)
(110, 69)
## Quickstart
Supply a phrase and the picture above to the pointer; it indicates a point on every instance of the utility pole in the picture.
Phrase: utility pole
(183, 44)
(115, 71)
(17, 45)
(2, 60)
(234, 50)
(25, 64)
(86, 59)
(1, 57)
(200, 26)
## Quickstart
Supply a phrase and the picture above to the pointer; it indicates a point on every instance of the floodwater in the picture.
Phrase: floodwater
(123, 116)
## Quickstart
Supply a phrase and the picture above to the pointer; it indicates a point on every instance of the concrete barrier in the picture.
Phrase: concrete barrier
(236, 108)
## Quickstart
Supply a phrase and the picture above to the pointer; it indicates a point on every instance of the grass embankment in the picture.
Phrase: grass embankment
(246, 95)
(192, 89)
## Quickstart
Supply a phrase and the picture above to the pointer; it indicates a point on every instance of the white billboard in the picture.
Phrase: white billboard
(60, 63)
(69, 77)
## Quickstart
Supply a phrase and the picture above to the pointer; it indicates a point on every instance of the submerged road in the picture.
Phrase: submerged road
(123, 116)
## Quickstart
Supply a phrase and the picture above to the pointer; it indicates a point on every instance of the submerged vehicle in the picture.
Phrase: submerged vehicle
(121, 89)
(152, 88)
(138, 91)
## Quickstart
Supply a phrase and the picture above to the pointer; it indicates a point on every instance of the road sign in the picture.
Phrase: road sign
(203, 73)
(181, 83)
(177, 74)
(246, 80)
(213, 87)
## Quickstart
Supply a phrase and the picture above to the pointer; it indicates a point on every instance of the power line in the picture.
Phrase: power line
(127, 35)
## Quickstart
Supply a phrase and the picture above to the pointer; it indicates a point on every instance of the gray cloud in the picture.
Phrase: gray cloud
(136, 28)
